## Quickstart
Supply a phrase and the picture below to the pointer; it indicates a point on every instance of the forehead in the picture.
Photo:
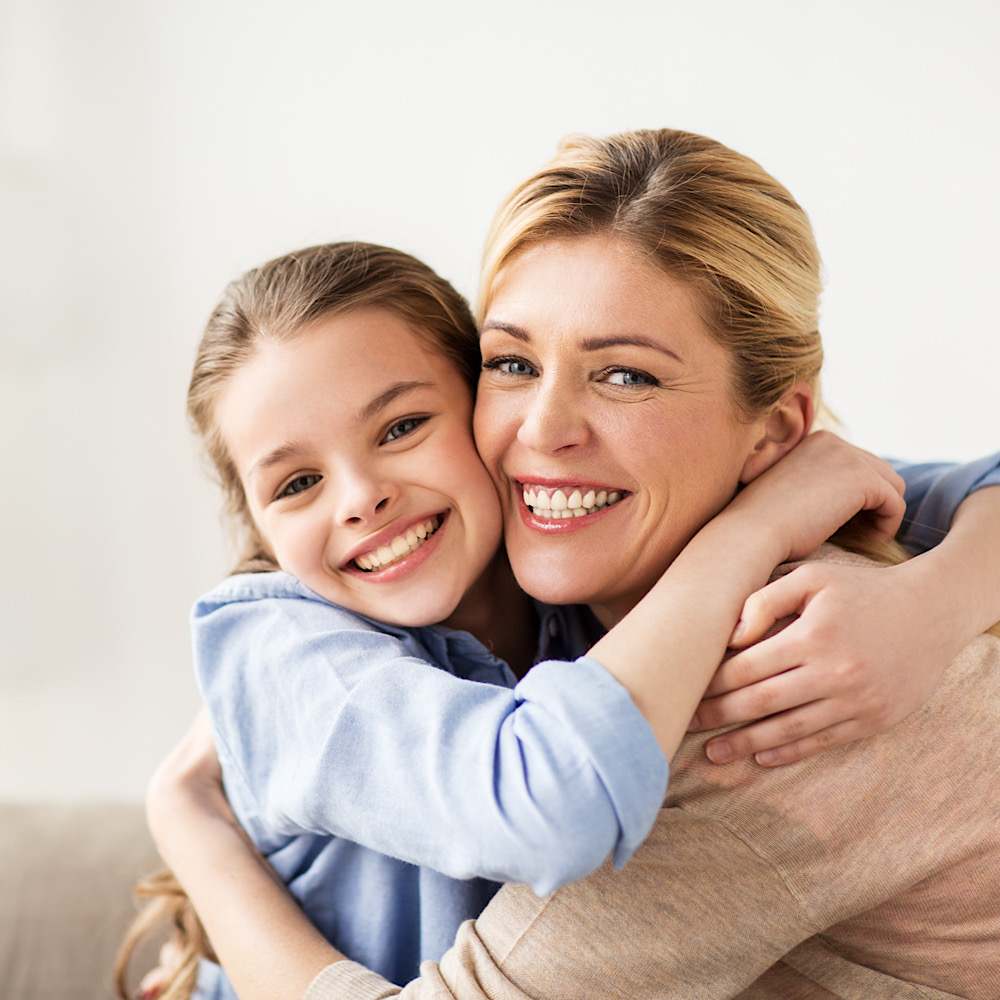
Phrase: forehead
(597, 285)
(319, 381)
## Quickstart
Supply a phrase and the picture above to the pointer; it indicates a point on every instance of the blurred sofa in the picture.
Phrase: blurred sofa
(66, 877)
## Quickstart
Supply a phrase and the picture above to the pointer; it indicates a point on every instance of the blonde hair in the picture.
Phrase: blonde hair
(273, 303)
(704, 214)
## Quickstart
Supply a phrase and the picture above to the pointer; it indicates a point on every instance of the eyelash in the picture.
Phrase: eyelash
(648, 380)
(288, 491)
(415, 421)
(496, 364)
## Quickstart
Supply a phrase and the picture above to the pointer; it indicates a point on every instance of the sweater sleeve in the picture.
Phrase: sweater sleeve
(327, 726)
(934, 491)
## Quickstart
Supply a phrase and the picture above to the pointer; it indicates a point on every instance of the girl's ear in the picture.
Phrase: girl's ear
(781, 430)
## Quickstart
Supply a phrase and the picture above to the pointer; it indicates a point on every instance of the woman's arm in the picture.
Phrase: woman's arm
(863, 655)
(268, 947)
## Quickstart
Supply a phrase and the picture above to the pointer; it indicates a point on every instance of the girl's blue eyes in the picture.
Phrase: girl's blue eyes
(403, 427)
(300, 484)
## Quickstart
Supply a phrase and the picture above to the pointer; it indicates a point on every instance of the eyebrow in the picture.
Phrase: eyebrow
(280, 454)
(384, 399)
(371, 409)
(589, 343)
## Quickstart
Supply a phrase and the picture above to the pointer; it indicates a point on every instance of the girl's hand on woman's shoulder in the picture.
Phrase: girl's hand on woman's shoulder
(861, 655)
(868, 647)
(817, 487)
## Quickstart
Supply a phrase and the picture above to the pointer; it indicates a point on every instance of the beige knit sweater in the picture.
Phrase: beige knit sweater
(870, 872)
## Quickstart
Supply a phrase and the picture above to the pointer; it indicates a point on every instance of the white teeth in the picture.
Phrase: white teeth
(400, 546)
(567, 502)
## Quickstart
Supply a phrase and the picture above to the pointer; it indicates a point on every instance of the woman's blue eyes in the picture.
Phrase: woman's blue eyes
(509, 366)
(518, 367)
(628, 376)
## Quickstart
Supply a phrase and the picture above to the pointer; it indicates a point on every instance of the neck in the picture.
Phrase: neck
(500, 615)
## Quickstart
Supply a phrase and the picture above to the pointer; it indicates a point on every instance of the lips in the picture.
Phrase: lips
(564, 502)
(397, 547)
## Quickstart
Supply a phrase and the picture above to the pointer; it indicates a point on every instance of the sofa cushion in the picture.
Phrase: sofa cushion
(66, 877)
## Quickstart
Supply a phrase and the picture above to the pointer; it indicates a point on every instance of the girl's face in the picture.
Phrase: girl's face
(605, 416)
(353, 444)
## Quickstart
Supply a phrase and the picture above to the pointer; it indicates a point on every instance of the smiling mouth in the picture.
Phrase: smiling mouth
(401, 546)
(567, 501)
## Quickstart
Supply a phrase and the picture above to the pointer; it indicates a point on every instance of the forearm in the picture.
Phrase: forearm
(667, 648)
(267, 946)
(963, 571)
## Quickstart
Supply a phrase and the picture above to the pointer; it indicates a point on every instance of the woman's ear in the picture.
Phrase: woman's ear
(781, 430)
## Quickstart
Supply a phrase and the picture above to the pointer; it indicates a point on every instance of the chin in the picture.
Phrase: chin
(551, 590)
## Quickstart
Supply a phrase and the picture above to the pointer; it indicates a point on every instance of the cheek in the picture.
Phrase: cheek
(494, 424)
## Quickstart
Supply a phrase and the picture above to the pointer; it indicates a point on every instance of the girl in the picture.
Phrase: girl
(368, 741)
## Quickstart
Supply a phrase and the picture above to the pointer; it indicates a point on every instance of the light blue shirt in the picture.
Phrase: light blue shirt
(933, 492)
(336, 731)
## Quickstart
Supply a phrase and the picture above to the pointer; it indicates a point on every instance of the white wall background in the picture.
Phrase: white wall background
(151, 151)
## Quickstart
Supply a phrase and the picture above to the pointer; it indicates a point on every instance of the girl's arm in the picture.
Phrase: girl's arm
(863, 655)
(667, 648)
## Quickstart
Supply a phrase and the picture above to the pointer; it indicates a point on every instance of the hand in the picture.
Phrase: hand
(155, 982)
(190, 777)
(815, 489)
(864, 653)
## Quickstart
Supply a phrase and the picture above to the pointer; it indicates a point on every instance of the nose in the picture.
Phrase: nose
(554, 418)
(362, 495)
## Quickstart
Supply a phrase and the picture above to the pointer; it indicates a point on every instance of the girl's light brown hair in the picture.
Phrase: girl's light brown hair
(274, 303)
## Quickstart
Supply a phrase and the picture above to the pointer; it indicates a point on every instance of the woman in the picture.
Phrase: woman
(640, 334)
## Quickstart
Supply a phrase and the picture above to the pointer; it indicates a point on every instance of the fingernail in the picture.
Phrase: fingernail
(719, 752)
(693, 724)
(766, 756)
(739, 631)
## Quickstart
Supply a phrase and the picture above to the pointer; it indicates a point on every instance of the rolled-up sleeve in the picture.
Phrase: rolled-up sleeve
(934, 491)
(337, 729)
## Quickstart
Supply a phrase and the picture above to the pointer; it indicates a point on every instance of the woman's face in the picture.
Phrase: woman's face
(606, 419)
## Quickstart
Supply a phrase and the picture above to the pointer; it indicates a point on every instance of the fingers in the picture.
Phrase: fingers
(766, 697)
(786, 596)
(787, 736)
